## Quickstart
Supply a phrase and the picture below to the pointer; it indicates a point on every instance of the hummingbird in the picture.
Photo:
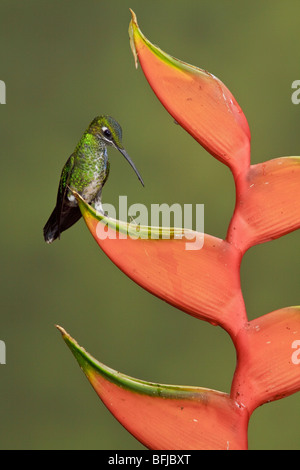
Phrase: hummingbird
(86, 171)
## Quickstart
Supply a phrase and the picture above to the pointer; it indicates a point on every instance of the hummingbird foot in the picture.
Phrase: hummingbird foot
(98, 207)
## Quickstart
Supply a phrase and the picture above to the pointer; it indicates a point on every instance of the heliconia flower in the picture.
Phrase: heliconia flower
(166, 416)
(197, 100)
(203, 280)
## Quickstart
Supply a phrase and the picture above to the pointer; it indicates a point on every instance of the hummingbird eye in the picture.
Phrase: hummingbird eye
(106, 132)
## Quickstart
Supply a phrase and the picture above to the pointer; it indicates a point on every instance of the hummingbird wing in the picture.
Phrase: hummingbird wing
(66, 212)
(63, 190)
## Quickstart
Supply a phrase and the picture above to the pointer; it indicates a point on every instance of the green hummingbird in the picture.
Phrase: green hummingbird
(85, 172)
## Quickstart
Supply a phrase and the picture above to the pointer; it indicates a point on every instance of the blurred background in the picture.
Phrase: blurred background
(64, 62)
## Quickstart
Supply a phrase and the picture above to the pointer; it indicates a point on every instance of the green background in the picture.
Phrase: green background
(64, 62)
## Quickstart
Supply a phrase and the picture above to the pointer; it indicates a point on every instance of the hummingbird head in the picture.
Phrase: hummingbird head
(109, 131)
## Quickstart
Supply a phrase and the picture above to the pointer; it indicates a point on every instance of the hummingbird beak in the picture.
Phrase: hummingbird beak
(125, 154)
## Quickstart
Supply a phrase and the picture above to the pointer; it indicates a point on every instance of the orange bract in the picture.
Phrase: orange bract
(166, 416)
(268, 203)
(197, 100)
(203, 282)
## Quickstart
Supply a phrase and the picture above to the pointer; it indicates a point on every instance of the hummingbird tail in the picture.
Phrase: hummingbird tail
(51, 231)
(68, 218)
